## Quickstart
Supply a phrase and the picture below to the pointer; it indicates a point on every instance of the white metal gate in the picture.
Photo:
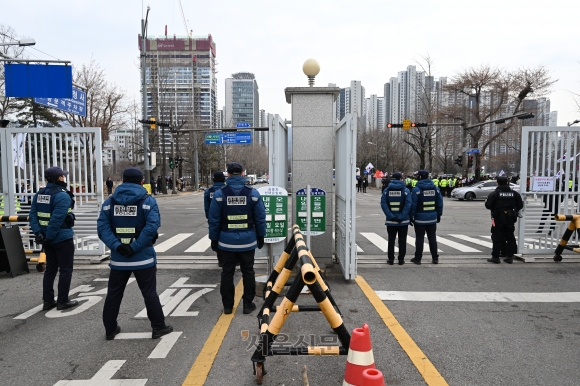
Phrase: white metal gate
(27, 152)
(345, 160)
(277, 175)
(548, 154)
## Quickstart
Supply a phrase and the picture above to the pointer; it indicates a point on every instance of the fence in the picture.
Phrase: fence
(27, 152)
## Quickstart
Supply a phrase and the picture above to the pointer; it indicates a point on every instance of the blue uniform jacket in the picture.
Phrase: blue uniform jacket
(405, 206)
(426, 218)
(54, 232)
(126, 194)
(207, 196)
(237, 241)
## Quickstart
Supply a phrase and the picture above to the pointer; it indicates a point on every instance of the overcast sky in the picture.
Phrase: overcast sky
(352, 40)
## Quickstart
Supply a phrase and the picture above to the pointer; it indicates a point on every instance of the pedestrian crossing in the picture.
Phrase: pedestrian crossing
(368, 243)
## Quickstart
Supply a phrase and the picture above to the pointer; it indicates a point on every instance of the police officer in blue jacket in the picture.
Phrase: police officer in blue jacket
(219, 181)
(51, 220)
(237, 226)
(128, 225)
(396, 204)
(426, 212)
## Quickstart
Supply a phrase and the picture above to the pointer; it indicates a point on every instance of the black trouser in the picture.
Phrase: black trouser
(227, 289)
(59, 258)
(401, 232)
(503, 231)
(147, 281)
(110, 190)
(431, 231)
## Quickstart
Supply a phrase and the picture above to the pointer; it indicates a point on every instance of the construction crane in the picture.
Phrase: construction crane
(188, 32)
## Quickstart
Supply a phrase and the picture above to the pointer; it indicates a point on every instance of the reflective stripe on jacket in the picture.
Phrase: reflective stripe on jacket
(137, 220)
(427, 203)
(48, 213)
(235, 233)
(396, 203)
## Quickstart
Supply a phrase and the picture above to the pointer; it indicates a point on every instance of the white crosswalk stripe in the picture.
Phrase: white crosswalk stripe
(201, 246)
(170, 243)
(474, 240)
(458, 246)
(412, 241)
(377, 240)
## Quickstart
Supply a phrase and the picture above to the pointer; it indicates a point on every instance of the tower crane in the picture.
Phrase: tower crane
(188, 32)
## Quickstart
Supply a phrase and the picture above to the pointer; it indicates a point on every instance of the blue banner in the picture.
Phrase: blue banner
(75, 105)
(38, 80)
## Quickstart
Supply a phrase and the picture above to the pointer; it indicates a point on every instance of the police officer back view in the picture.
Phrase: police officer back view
(396, 205)
(426, 212)
(504, 205)
(51, 220)
(237, 226)
(219, 181)
(128, 225)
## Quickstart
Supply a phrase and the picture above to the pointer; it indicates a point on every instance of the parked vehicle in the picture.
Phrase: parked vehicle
(478, 191)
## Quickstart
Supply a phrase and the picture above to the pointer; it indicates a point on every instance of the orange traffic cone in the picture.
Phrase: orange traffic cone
(360, 356)
(373, 377)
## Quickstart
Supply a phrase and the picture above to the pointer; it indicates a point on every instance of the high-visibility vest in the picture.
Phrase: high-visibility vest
(436, 182)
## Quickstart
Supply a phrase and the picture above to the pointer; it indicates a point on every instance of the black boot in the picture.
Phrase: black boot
(494, 260)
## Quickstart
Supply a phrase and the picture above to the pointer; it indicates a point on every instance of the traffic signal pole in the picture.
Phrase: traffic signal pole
(173, 138)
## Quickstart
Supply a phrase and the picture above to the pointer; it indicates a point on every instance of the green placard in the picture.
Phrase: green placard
(317, 208)
(276, 203)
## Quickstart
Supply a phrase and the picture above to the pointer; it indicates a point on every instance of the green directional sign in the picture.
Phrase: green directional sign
(317, 208)
(276, 203)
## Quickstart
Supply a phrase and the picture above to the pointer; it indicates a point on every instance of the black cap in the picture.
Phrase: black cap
(54, 172)
(133, 175)
(235, 168)
(397, 176)
(423, 174)
(502, 180)
(219, 177)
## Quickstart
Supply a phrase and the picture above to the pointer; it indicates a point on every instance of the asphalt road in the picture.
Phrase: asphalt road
(476, 323)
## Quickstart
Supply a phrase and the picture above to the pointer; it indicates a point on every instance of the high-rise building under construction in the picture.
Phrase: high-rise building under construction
(180, 78)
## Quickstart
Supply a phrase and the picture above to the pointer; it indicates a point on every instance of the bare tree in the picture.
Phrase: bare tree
(494, 92)
(105, 102)
(8, 34)
(421, 140)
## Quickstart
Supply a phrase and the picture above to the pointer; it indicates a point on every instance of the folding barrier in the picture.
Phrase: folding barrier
(309, 275)
(572, 226)
(12, 254)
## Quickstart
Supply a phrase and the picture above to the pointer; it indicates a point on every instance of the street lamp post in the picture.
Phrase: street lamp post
(144, 97)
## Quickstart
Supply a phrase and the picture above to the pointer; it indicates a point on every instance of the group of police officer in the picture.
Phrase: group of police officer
(129, 221)
(422, 207)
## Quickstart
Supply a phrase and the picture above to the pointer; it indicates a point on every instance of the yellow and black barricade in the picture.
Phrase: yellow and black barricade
(572, 226)
(270, 326)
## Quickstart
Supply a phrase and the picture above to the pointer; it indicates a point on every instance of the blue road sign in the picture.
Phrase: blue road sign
(242, 125)
(75, 105)
(38, 80)
(229, 138)
(473, 151)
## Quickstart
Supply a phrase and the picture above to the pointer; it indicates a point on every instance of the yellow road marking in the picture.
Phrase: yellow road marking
(419, 359)
(204, 361)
